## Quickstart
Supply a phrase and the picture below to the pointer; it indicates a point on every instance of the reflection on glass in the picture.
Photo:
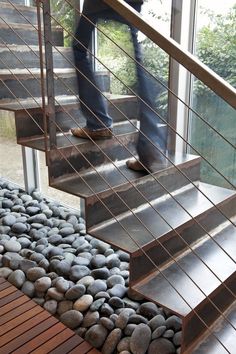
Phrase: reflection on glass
(216, 47)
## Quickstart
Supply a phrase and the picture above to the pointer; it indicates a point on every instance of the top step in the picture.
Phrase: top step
(19, 2)
(15, 13)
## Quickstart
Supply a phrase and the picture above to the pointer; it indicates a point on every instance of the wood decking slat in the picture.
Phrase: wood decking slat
(25, 327)
(9, 290)
(4, 285)
(16, 311)
(82, 348)
(13, 304)
(54, 342)
(10, 298)
(28, 335)
(14, 322)
(70, 344)
(40, 339)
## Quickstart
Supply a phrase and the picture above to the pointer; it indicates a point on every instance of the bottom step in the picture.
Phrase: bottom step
(221, 337)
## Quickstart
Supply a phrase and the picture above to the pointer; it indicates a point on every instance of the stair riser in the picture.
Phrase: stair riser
(190, 232)
(12, 15)
(31, 87)
(29, 36)
(90, 153)
(139, 193)
(20, 2)
(193, 327)
(27, 129)
(18, 57)
(66, 118)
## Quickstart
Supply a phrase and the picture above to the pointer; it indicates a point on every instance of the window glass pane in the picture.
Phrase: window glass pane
(216, 47)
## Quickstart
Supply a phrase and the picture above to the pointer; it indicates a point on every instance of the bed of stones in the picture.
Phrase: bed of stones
(45, 252)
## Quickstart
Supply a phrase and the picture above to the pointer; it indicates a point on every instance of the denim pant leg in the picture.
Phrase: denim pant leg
(151, 126)
(93, 104)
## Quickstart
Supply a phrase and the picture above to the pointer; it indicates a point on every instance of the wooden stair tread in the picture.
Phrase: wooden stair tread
(191, 199)
(221, 338)
(204, 268)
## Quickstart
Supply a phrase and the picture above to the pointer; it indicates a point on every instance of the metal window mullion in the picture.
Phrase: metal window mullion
(30, 159)
(185, 84)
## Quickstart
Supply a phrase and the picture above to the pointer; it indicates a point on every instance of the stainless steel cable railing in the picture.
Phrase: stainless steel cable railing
(60, 151)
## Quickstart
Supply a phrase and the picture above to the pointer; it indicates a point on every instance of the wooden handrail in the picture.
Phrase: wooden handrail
(182, 56)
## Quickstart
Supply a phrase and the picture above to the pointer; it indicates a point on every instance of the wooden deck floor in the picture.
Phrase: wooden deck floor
(26, 327)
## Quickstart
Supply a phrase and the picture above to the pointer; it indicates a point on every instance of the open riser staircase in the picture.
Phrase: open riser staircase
(175, 228)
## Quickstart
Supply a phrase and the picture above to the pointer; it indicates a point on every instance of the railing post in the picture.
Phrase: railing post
(50, 112)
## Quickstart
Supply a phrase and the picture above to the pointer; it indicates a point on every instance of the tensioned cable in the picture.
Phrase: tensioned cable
(147, 106)
(163, 120)
(156, 267)
(185, 210)
(181, 206)
(143, 67)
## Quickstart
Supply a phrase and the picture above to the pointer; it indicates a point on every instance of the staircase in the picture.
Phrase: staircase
(164, 221)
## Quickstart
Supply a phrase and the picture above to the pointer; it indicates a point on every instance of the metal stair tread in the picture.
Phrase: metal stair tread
(205, 268)
(221, 332)
(18, 6)
(67, 139)
(68, 100)
(21, 26)
(107, 177)
(191, 199)
(12, 74)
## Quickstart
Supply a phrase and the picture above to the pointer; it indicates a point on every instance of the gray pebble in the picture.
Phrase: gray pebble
(12, 246)
(96, 335)
(17, 278)
(161, 345)
(158, 332)
(83, 303)
(55, 294)
(107, 323)
(97, 286)
(77, 272)
(156, 322)
(35, 273)
(42, 284)
(124, 344)
(95, 306)
(51, 306)
(71, 318)
(62, 285)
(64, 306)
(116, 302)
(111, 341)
(148, 309)
(137, 319)
(177, 339)
(140, 339)
(174, 322)
(75, 292)
(90, 319)
(28, 288)
(117, 290)
(100, 273)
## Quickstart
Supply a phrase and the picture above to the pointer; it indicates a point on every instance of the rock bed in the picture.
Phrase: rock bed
(45, 252)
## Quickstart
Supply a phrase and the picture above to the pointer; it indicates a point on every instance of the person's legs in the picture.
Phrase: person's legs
(93, 103)
(153, 133)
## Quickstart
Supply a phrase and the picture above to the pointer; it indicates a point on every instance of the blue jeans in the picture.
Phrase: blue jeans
(153, 132)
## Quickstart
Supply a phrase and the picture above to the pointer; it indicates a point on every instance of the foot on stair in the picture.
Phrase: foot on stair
(86, 133)
(135, 165)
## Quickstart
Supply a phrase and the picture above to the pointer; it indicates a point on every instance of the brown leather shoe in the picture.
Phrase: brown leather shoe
(135, 165)
(86, 133)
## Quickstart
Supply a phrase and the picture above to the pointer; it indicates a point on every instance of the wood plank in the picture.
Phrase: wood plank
(40, 339)
(26, 336)
(16, 321)
(2, 280)
(11, 297)
(24, 327)
(70, 344)
(81, 349)
(54, 342)
(94, 351)
(16, 311)
(4, 286)
(7, 291)
(14, 304)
